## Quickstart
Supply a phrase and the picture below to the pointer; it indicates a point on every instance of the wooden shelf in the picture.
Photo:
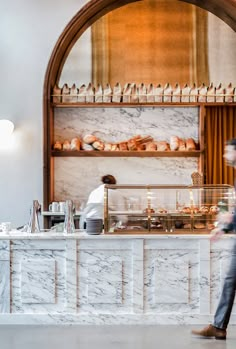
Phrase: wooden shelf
(142, 153)
(134, 105)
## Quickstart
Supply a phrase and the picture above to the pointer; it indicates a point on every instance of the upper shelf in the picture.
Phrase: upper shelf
(133, 105)
(141, 153)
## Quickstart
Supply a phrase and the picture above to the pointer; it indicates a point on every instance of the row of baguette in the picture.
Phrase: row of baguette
(141, 93)
(91, 142)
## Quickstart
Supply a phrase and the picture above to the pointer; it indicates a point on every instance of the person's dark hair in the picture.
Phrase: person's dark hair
(232, 142)
(108, 179)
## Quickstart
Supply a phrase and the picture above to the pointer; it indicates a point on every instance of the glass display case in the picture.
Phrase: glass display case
(165, 208)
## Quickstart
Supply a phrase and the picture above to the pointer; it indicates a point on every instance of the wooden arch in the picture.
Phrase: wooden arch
(85, 17)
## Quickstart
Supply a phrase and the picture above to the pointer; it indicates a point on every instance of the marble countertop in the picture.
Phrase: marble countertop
(81, 234)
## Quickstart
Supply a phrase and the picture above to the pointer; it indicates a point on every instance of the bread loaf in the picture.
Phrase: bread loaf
(107, 146)
(174, 143)
(89, 139)
(123, 146)
(162, 146)
(98, 145)
(181, 145)
(190, 144)
(151, 146)
(75, 144)
(57, 145)
(66, 145)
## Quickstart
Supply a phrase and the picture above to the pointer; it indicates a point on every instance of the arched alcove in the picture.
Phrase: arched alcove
(88, 14)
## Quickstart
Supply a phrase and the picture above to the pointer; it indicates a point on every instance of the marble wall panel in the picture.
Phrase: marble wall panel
(175, 275)
(4, 286)
(38, 281)
(104, 281)
(39, 294)
(113, 286)
(180, 269)
(117, 124)
(75, 177)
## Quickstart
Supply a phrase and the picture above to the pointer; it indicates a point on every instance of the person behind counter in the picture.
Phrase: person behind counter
(95, 204)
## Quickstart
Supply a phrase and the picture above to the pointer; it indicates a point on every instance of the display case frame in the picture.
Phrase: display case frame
(195, 213)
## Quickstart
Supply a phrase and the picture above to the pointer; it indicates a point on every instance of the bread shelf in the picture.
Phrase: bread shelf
(134, 105)
(142, 153)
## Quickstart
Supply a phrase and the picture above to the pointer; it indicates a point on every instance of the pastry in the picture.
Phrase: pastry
(75, 144)
(211, 91)
(181, 145)
(174, 143)
(89, 139)
(57, 145)
(199, 226)
(214, 209)
(204, 209)
(190, 144)
(162, 210)
(86, 147)
(114, 147)
(98, 145)
(123, 146)
(187, 226)
(186, 210)
(162, 146)
(151, 146)
(107, 146)
(149, 210)
(66, 145)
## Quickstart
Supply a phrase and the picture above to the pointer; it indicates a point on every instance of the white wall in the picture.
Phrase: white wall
(29, 30)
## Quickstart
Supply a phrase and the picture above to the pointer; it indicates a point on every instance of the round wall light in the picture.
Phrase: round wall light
(6, 130)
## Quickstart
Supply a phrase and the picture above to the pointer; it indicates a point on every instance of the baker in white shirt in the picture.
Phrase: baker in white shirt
(95, 204)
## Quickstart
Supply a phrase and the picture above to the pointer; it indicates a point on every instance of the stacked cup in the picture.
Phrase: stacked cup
(94, 226)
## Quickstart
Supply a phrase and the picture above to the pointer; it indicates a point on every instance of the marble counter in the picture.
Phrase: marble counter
(52, 278)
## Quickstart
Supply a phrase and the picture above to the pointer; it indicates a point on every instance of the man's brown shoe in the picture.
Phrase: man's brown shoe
(211, 331)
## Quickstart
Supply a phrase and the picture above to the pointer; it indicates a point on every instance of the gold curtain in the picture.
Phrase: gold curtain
(151, 42)
(220, 127)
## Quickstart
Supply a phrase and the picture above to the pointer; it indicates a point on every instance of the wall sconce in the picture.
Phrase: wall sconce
(6, 130)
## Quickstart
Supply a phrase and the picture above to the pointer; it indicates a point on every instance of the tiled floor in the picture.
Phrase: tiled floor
(108, 337)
